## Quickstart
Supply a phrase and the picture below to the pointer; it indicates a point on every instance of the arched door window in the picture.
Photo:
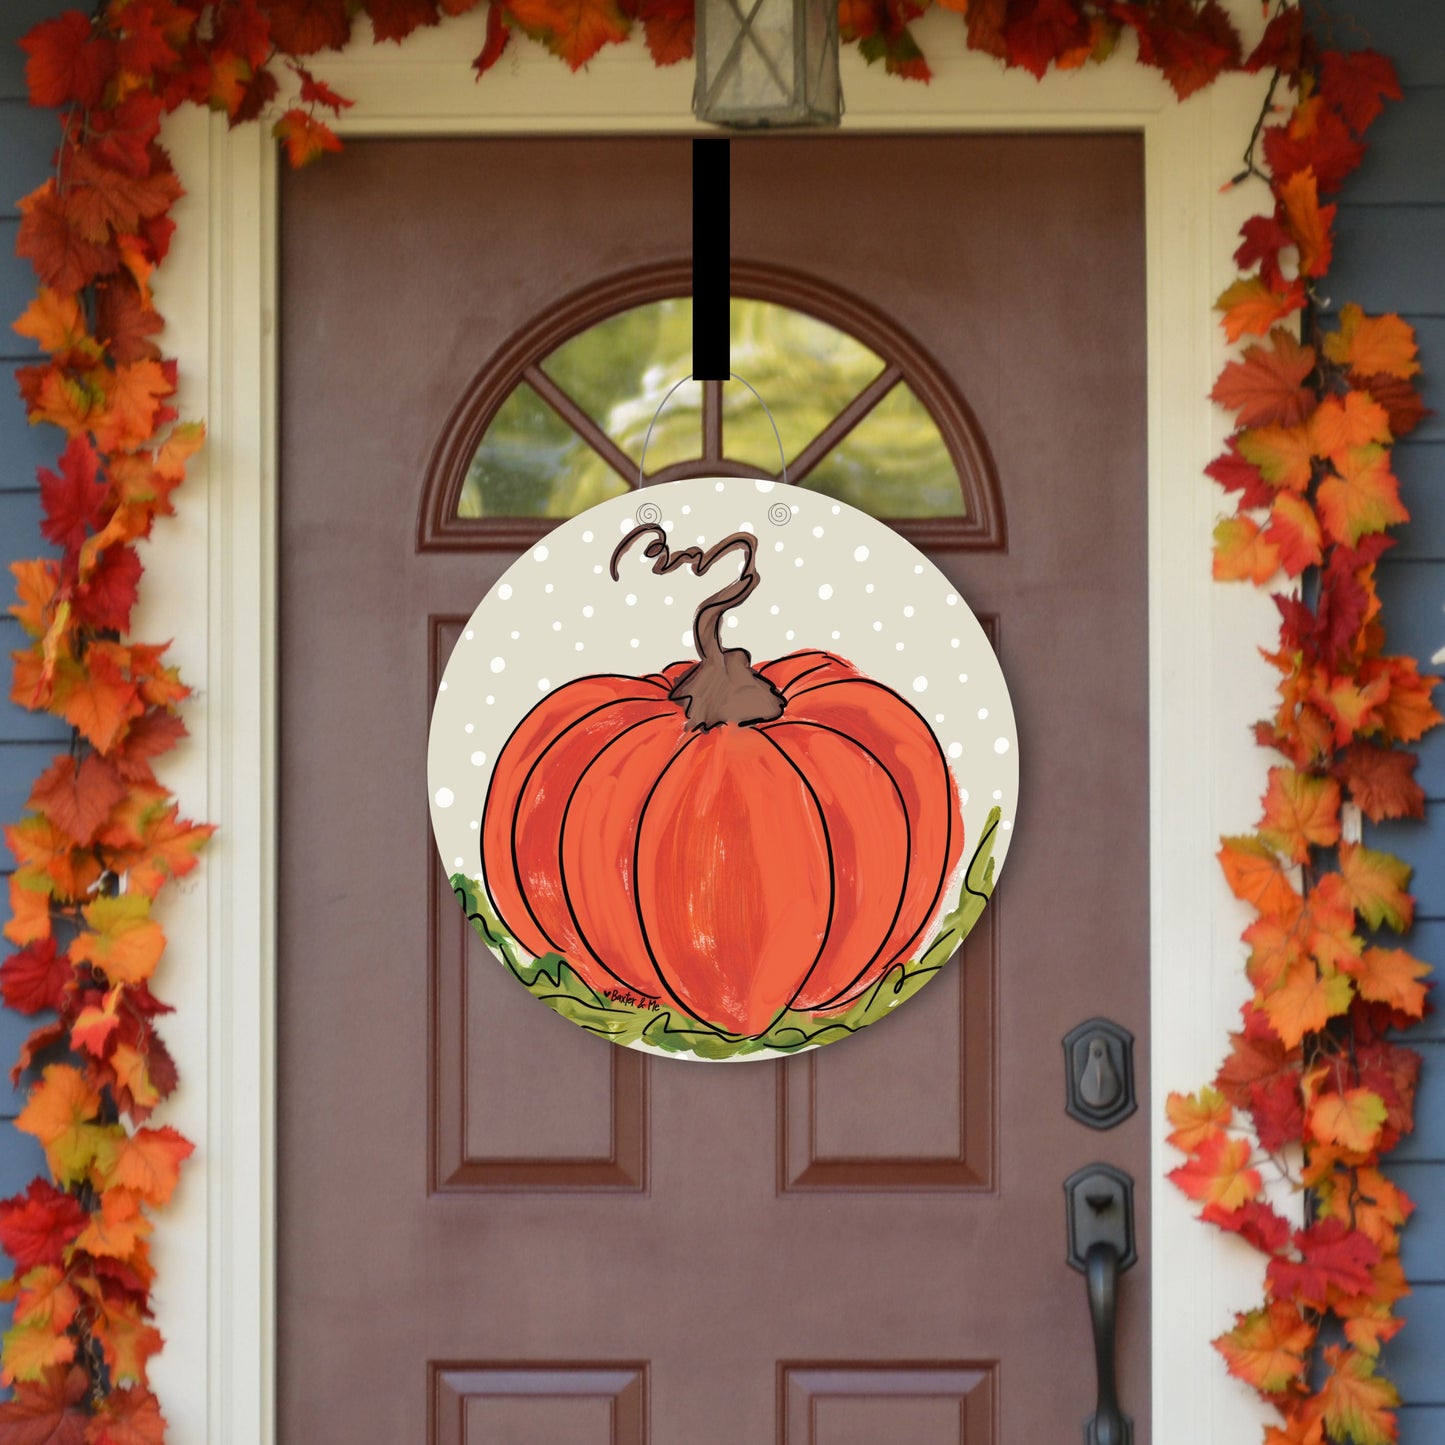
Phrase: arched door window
(556, 422)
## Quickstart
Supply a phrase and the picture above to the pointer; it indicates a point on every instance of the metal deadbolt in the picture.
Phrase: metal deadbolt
(1099, 1073)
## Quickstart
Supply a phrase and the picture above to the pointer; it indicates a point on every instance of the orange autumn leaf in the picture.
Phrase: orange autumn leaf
(167, 849)
(31, 1350)
(134, 1077)
(1219, 1173)
(1307, 222)
(1250, 307)
(1266, 1348)
(1274, 947)
(1301, 811)
(46, 1298)
(63, 259)
(1406, 713)
(1362, 497)
(126, 1340)
(1305, 1000)
(306, 139)
(1352, 1120)
(1256, 875)
(1196, 1116)
(1356, 1402)
(117, 1229)
(1381, 781)
(575, 30)
(147, 1161)
(1294, 531)
(97, 697)
(1373, 345)
(102, 200)
(1391, 976)
(1375, 883)
(36, 583)
(132, 401)
(54, 321)
(124, 942)
(1356, 420)
(1266, 387)
(1283, 454)
(60, 1113)
(30, 895)
(1242, 552)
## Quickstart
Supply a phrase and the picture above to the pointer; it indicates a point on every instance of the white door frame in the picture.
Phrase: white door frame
(212, 586)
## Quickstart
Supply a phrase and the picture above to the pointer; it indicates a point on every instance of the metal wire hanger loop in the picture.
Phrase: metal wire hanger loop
(777, 436)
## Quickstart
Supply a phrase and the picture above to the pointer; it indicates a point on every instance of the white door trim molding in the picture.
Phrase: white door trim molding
(212, 586)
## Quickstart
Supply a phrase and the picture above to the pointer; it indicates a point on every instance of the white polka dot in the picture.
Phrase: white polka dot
(817, 531)
(794, 509)
(790, 634)
(549, 588)
(982, 713)
(577, 646)
(636, 642)
(836, 509)
(667, 601)
(953, 642)
(963, 797)
(631, 599)
(938, 717)
(878, 627)
(732, 621)
(955, 750)
(774, 609)
(458, 863)
(701, 540)
(478, 759)
(539, 553)
(748, 528)
(997, 795)
(556, 627)
(490, 699)
(597, 570)
(687, 511)
(777, 546)
(469, 634)
(543, 685)
(515, 636)
(860, 554)
(504, 591)
(797, 561)
(908, 612)
(668, 525)
(721, 487)
(835, 636)
(898, 647)
(445, 797)
(587, 536)
(475, 824)
(587, 612)
(470, 728)
(625, 525)
(825, 591)
(869, 587)
(687, 638)
(952, 599)
(442, 686)
(920, 684)
(1007, 825)
(918, 570)
(764, 485)
(1000, 745)
(963, 677)
(497, 664)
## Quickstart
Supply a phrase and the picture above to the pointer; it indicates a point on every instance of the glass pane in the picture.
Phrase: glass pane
(532, 464)
(892, 464)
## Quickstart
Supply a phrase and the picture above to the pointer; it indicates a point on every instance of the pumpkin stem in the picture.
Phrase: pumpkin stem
(722, 688)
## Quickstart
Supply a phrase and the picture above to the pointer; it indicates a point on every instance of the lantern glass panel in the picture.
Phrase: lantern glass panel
(767, 63)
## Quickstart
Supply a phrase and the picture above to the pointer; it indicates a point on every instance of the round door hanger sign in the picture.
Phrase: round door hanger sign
(724, 770)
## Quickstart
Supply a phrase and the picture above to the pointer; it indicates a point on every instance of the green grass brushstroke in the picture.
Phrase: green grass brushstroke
(553, 980)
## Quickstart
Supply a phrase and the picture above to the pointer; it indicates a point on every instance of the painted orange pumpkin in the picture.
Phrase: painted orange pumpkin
(736, 841)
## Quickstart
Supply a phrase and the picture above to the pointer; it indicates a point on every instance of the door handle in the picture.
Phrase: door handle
(1101, 1270)
(1101, 1246)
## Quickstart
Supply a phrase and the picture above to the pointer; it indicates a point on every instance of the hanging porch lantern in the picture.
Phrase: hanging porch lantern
(765, 63)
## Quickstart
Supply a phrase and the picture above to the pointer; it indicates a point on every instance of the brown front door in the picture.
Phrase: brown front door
(494, 1228)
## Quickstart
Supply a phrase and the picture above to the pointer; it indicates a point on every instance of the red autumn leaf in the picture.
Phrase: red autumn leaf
(1037, 32)
(575, 30)
(129, 1416)
(37, 1227)
(1267, 1347)
(1333, 1258)
(1236, 473)
(70, 61)
(97, 698)
(1362, 497)
(1254, 1221)
(1393, 1072)
(1242, 552)
(143, 45)
(63, 258)
(1315, 136)
(37, 978)
(302, 27)
(317, 92)
(1375, 883)
(1401, 401)
(1392, 976)
(254, 93)
(122, 135)
(1256, 875)
(101, 200)
(1264, 239)
(1266, 386)
(125, 321)
(73, 499)
(1381, 781)
(1352, 1120)
(243, 28)
(1294, 532)
(151, 735)
(1354, 1402)
(77, 797)
(667, 25)
(48, 1411)
(1307, 222)
(306, 139)
(1301, 811)
(396, 19)
(498, 37)
(1280, 46)
(1277, 1109)
(106, 597)
(1357, 84)
(1219, 1173)
(1251, 307)
(1191, 45)
(1407, 713)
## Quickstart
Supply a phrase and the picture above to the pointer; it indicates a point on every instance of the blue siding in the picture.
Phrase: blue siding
(1390, 240)
(27, 742)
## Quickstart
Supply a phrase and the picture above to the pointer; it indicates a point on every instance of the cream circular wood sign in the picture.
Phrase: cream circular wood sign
(723, 769)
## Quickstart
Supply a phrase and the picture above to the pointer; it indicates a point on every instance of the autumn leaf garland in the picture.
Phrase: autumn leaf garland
(1314, 1071)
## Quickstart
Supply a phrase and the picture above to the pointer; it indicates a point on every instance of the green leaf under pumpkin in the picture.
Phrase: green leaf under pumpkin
(553, 980)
